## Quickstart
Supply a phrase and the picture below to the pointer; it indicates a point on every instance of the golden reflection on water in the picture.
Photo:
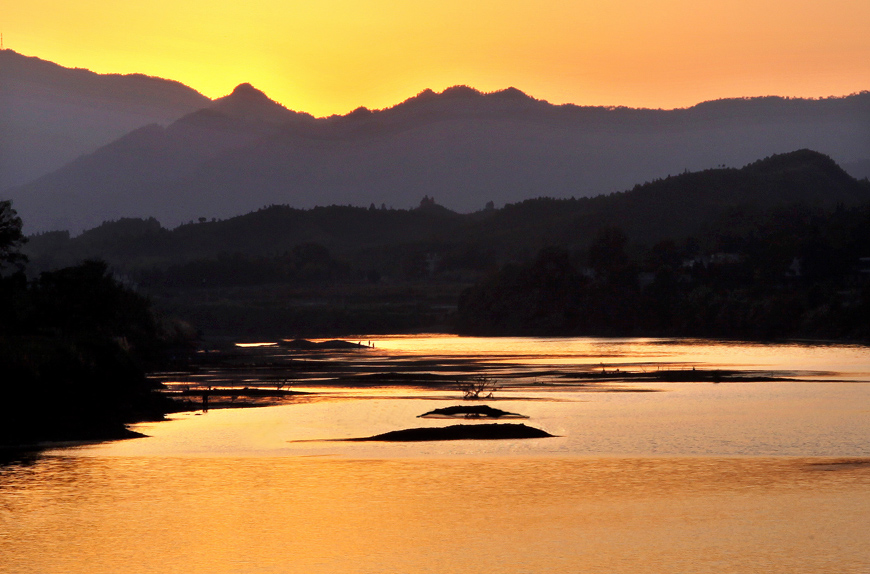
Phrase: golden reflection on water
(683, 419)
(506, 515)
(849, 362)
(232, 492)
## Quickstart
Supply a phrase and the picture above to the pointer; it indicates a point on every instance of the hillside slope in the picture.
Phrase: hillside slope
(50, 115)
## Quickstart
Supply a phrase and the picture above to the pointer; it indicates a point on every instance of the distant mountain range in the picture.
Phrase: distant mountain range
(462, 147)
(50, 115)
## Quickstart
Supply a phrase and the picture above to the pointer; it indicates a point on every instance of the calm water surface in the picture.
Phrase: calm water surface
(683, 477)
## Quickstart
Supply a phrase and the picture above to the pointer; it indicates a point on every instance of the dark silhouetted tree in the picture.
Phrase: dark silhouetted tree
(11, 238)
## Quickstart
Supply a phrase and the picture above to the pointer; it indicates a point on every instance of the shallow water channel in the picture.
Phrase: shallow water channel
(642, 475)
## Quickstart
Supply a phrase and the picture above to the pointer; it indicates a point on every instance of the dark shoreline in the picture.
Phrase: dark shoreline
(39, 445)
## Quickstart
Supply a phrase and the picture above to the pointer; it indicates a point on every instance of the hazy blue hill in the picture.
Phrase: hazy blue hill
(463, 147)
(143, 167)
(49, 115)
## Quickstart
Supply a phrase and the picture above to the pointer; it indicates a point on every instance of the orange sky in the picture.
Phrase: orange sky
(331, 56)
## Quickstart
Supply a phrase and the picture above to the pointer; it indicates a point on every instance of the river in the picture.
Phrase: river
(642, 476)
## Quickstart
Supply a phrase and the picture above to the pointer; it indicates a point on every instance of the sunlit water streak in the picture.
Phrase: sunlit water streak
(695, 477)
(842, 362)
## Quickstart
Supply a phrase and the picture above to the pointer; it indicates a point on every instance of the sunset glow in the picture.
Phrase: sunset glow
(334, 55)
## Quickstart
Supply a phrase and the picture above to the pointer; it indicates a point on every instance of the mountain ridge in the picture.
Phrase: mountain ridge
(461, 146)
(50, 114)
(246, 101)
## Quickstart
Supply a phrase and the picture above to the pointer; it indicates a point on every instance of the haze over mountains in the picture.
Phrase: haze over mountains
(50, 115)
(464, 148)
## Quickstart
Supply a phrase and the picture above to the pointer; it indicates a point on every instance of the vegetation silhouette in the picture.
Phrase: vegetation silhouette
(787, 272)
(478, 387)
(771, 249)
(75, 344)
(470, 412)
(11, 238)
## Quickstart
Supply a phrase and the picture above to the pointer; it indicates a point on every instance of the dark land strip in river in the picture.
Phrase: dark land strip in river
(233, 376)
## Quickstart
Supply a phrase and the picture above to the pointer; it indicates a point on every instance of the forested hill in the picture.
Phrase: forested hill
(340, 270)
(716, 201)
(779, 249)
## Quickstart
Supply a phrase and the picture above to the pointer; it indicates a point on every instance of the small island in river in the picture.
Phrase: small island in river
(459, 432)
(332, 344)
(470, 412)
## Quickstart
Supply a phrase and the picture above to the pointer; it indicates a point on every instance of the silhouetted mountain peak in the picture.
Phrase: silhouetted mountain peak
(801, 159)
(460, 92)
(245, 94)
(427, 94)
(249, 103)
(360, 112)
(430, 96)
(467, 98)
(800, 177)
(512, 93)
(805, 168)
(246, 90)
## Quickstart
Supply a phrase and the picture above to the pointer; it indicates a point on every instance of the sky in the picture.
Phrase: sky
(331, 56)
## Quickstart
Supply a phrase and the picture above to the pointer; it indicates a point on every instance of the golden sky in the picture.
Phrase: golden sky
(330, 56)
